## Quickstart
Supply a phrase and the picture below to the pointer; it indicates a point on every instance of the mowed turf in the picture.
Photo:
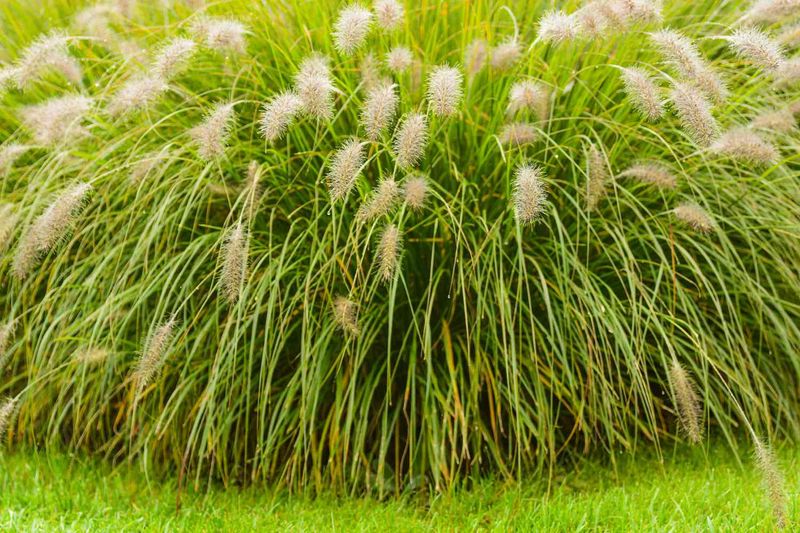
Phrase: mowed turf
(690, 490)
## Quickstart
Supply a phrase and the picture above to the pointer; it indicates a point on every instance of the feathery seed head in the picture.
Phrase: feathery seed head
(556, 27)
(314, 86)
(58, 120)
(221, 35)
(529, 95)
(137, 93)
(389, 250)
(710, 84)
(790, 36)
(6, 412)
(379, 109)
(370, 70)
(153, 355)
(777, 121)
(146, 165)
(769, 11)
(173, 58)
(345, 313)
(678, 51)
(8, 76)
(788, 73)
(389, 14)
(652, 173)
(416, 191)
(518, 134)
(742, 144)
(278, 115)
(772, 481)
(252, 189)
(9, 154)
(345, 168)
(6, 336)
(411, 139)
(694, 216)
(505, 55)
(211, 135)
(643, 92)
(694, 112)
(383, 199)
(351, 28)
(399, 59)
(91, 355)
(687, 402)
(234, 262)
(475, 56)
(50, 228)
(757, 47)
(95, 21)
(48, 52)
(444, 90)
(530, 194)
(597, 177)
(8, 225)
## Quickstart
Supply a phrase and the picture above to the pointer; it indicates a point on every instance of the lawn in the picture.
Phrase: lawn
(690, 490)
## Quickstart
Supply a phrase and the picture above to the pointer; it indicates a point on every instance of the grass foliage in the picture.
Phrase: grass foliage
(191, 318)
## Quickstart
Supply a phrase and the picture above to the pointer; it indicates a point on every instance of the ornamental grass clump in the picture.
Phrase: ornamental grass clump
(410, 244)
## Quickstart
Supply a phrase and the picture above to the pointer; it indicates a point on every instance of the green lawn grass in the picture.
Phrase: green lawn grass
(690, 490)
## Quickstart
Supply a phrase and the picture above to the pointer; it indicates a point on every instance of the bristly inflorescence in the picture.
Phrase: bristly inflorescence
(556, 27)
(221, 35)
(7, 331)
(379, 109)
(9, 217)
(757, 47)
(58, 120)
(772, 481)
(687, 402)
(506, 54)
(345, 168)
(381, 202)
(530, 193)
(597, 177)
(416, 192)
(351, 28)
(211, 135)
(314, 86)
(399, 59)
(653, 173)
(136, 94)
(444, 90)
(153, 355)
(388, 14)
(278, 114)
(643, 92)
(173, 58)
(345, 313)
(411, 139)
(694, 216)
(529, 95)
(50, 228)
(694, 113)
(48, 52)
(9, 154)
(234, 262)
(388, 253)
(7, 408)
(742, 144)
(516, 134)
